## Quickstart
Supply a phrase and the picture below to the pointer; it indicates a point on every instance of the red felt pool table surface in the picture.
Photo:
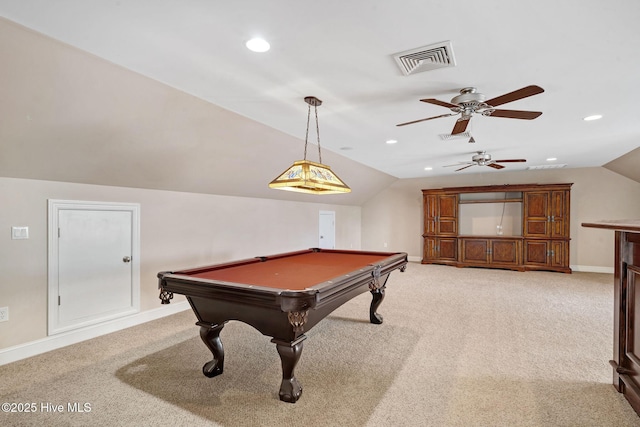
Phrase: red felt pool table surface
(294, 271)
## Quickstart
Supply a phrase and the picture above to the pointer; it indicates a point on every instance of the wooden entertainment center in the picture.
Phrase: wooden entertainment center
(518, 227)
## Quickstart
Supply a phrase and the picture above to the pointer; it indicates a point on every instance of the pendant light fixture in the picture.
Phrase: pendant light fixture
(305, 176)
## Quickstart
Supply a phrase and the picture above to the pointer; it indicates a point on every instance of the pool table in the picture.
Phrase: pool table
(282, 296)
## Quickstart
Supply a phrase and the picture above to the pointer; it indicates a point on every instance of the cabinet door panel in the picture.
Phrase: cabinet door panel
(447, 249)
(447, 214)
(559, 201)
(505, 252)
(430, 213)
(559, 254)
(448, 206)
(535, 252)
(429, 253)
(475, 251)
(536, 213)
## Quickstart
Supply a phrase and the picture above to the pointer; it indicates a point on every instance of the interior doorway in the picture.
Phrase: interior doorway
(94, 264)
(327, 230)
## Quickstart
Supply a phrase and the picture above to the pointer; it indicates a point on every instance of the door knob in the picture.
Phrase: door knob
(126, 259)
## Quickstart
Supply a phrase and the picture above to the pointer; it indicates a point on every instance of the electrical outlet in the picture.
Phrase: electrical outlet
(4, 314)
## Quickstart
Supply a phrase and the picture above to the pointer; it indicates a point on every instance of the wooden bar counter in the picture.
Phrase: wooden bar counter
(626, 357)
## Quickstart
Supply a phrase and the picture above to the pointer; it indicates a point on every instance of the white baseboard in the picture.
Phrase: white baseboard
(592, 269)
(52, 342)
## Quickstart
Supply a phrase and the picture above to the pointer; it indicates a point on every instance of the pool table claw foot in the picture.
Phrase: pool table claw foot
(290, 390)
(289, 351)
(212, 369)
(210, 335)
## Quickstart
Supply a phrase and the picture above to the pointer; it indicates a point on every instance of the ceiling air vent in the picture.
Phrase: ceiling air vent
(439, 55)
(556, 166)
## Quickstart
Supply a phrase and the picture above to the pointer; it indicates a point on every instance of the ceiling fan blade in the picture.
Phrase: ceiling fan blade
(440, 103)
(463, 168)
(459, 164)
(515, 95)
(495, 166)
(515, 114)
(510, 160)
(461, 125)
(428, 118)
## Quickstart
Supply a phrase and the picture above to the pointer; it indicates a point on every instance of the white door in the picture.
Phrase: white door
(327, 230)
(93, 273)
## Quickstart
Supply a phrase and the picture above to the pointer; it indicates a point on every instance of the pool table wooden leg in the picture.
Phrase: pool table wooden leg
(210, 335)
(377, 288)
(290, 388)
(378, 296)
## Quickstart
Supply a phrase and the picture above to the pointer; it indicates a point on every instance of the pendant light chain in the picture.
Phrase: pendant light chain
(306, 136)
(318, 134)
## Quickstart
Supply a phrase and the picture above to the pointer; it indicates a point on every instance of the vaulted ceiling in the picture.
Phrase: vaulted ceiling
(582, 53)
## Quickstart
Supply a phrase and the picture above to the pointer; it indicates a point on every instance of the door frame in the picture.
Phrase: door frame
(54, 207)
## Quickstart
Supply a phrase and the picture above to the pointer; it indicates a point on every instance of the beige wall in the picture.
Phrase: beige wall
(394, 216)
(178, 230)
(187, 229)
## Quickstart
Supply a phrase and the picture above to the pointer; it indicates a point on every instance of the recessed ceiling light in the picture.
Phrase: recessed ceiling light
(258, 45)
(428, 168)
(391, 141)
(594, 117)
(552, 159)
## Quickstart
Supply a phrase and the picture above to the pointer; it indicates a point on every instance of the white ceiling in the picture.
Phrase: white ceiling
(584, 53)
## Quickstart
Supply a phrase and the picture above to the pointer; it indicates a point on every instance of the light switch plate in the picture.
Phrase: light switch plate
(19, 233)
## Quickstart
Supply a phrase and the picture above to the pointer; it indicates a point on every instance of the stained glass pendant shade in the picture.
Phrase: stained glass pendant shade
(305, 176)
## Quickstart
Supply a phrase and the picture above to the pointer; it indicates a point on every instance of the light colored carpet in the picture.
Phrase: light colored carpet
(458, 347)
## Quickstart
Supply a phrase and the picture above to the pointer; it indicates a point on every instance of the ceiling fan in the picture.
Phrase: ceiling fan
(484, 159)
(470, 101)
